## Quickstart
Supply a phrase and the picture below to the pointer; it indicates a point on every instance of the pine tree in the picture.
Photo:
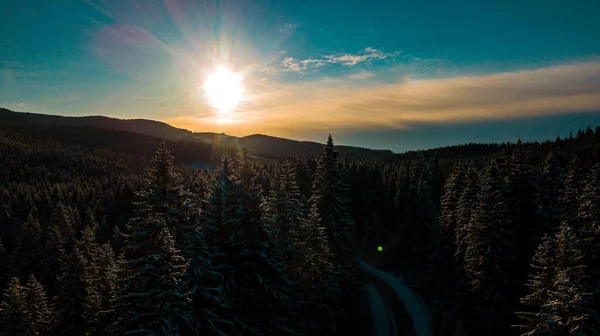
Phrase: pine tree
(52, 258)
(588, 219)
(316, 276)
(284, 209)
(464, 212)
(540, 283)
(104, 285)
(490, 254)
(151, 297)
(12, 317)
(262, 273)
(330, 196)
(35, 309)
(548, 197)
(63, 220)
(205, 284)
(423, 224)
(570, 308)
(74, 305)
(573, 186)
(453, 190)
(26, 253)
(164, 186)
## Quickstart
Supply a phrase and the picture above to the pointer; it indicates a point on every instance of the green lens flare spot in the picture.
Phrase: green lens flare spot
(379, 248)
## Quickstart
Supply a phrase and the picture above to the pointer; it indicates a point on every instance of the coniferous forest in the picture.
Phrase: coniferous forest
(498, 239)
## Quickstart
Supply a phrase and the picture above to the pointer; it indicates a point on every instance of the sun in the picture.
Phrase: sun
(223, 89)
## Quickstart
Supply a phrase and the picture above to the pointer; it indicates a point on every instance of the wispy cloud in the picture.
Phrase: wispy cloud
(369, 54)
(291, 64)
(342, 104)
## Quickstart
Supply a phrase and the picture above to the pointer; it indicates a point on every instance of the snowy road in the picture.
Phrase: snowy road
(395, 309)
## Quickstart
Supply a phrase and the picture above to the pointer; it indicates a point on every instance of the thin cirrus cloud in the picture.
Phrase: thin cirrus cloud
(291, 64)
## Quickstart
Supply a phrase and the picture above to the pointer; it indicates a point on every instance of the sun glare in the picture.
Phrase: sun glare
(223, 90)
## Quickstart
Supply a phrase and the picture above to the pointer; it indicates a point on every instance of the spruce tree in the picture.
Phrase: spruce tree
(52, 258)
(570, 308)
(466, 202)
(490, 254)
(35, 309)
(330, 196)
(13, 320)
(573, 187)
(315, 273)
(151, 297)
(283, 209)
(164, 186)
(454, 187)
(588, 219)
(540, 283)
(262, 272)
(549, 194)
(74, 305)
(104, 285)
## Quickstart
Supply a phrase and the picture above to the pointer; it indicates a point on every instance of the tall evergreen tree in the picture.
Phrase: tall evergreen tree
(540, 283)
(35, 308)
(151, 297)
(52, 258)
(467, 200)
(573, 186)
(588, 218)
(549, 194)
(74, 305)
(570, 308)
(284, 208)
(163, 191)
(12, 317)
(330, 196)
(490, 254)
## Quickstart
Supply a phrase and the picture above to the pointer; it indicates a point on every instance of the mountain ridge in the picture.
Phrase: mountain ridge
(259, 144)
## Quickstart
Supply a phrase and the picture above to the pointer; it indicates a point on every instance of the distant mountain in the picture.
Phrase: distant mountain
(281, 147)
(260, 145)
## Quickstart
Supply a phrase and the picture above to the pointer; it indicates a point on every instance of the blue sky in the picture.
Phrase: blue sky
(385, 74)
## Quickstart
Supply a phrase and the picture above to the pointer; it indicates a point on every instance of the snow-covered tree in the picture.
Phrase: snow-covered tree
(284, 209)
(163, 184)
(151, 297)
(540, 283)
(569, 309)
(549, 193)
(330, 196)
(573, 186)
(12, 316)
(490, 253)
(588, 219)
(466, 202)
(35, 308)
(73, 307)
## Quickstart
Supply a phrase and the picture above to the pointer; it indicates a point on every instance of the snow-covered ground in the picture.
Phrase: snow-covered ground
(414, 305)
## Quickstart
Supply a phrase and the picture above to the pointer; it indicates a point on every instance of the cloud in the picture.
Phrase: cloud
(286, 27)
(291, 64)
(369, 54)
(341, 104)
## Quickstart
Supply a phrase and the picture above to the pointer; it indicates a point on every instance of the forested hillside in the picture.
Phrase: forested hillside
(499, 239)
(190, 147)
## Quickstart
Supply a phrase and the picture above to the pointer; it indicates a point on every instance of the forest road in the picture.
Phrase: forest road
(400, 320)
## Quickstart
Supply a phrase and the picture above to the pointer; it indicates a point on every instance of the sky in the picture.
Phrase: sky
(393, 74)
